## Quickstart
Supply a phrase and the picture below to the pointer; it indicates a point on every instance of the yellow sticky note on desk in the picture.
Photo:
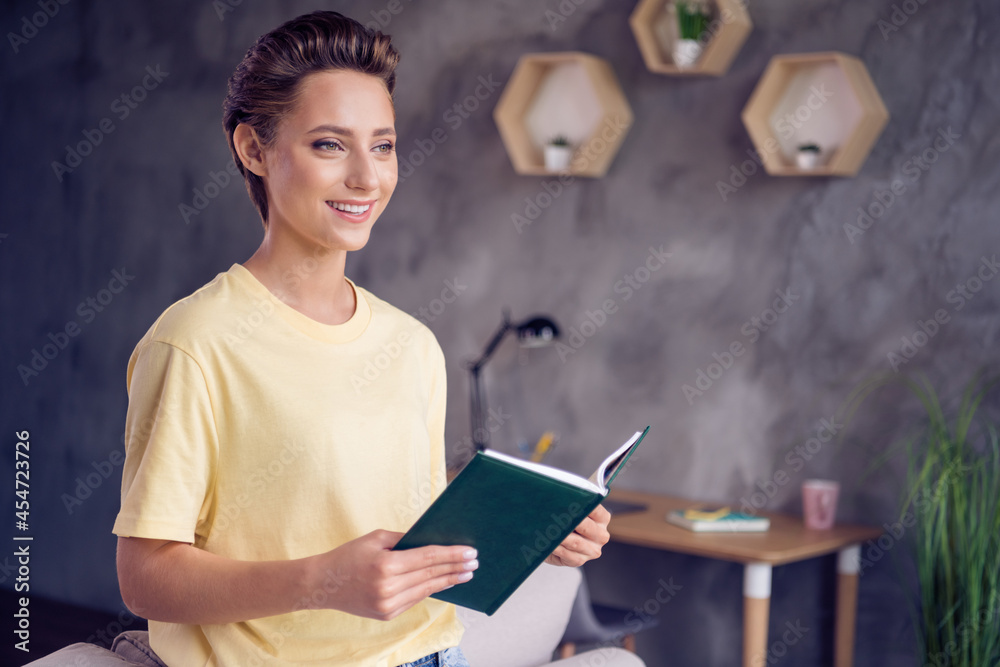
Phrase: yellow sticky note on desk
(706, 514)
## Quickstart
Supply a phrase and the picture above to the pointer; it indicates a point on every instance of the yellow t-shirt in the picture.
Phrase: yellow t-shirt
(257, 433)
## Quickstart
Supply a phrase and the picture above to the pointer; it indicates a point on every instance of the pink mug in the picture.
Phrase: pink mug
(819, 503)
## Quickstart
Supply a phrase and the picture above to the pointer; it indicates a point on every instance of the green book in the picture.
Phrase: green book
(515, 513)
(720, 520)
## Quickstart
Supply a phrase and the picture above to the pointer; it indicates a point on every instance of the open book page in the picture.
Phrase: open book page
(548, 471)
(612, 465)
(598, 482)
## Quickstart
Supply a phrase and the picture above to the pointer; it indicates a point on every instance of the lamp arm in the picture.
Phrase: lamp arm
(491, 347)
(480, 437)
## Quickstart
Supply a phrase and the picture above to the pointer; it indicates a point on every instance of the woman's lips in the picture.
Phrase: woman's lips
(353, 211)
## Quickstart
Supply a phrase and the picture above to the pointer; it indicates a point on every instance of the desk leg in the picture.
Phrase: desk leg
(848, 566)
(756, 609)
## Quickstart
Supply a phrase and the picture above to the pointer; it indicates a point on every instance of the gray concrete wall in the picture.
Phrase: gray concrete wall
(118, 209)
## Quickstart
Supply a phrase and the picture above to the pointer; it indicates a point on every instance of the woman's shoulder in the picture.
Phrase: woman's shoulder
(201, 315)
(393, 319)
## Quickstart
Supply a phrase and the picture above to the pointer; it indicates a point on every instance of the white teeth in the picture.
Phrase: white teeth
(349, 208)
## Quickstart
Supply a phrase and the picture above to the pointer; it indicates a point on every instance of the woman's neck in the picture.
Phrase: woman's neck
(309, 280)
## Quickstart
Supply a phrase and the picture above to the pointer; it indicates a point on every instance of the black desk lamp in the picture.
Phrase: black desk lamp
(536, 331)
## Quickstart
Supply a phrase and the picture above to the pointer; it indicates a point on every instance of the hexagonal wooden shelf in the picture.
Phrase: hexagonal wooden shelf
(654, 24)
(827, 99)
(571, 94)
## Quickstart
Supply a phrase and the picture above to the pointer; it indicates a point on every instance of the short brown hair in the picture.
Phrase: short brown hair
(265, 85)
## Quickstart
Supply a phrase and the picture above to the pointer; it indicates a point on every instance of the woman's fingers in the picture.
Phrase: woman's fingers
(585, 542)
(376, 582)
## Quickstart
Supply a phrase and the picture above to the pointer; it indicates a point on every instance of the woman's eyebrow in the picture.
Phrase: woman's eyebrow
(347, 132)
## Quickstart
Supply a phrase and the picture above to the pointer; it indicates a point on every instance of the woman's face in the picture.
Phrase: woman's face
(331, 168)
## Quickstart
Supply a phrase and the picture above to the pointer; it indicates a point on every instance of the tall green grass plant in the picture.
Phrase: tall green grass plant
(953, 491)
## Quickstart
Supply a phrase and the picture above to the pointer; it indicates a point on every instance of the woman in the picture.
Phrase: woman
(264, 486)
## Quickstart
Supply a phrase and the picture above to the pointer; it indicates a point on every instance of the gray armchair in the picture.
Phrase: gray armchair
(525, 631)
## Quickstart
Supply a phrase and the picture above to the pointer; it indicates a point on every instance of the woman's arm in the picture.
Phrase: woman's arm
(176, 582)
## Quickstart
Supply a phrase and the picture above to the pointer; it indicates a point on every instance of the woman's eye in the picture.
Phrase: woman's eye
(327, 145)
(384, 148)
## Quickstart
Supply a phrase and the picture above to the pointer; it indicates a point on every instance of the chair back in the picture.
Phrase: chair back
(525, 631)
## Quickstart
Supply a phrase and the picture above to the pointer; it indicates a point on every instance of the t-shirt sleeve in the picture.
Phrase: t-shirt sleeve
(171, 447)
(437, 404)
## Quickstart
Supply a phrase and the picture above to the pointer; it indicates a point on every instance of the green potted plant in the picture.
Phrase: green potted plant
(558, 153)
(808, 155)
(951, 502)
(692, 24)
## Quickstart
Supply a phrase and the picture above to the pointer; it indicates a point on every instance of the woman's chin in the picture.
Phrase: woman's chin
(356, 241)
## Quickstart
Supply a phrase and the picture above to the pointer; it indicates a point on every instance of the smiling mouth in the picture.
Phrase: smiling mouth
(355, 209)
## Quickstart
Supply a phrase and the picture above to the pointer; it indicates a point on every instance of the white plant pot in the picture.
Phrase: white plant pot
(807, 159)
(686, 52)
(558, 158)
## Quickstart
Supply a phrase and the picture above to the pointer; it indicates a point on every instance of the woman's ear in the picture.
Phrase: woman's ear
(248, 147)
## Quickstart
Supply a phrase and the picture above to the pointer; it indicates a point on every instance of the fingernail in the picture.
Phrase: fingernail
(447, 587)
(469, 554)
(464, 577)
(471, 565)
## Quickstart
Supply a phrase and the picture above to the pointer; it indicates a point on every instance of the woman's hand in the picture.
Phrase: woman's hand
(585, 542)
(366, 578)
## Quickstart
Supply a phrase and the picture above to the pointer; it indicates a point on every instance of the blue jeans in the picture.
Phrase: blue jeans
(450, 657)
(131, 649)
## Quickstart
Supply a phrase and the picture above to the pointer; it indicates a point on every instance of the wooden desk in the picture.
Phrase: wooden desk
(787, 541)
